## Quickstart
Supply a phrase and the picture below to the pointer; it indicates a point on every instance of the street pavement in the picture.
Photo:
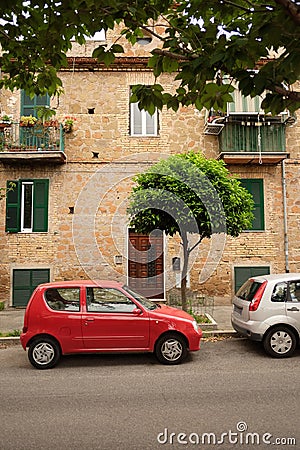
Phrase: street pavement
(230, 395)
(12, 319)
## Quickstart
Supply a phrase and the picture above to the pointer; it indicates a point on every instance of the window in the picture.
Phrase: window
(142, 123)
(27, 206)
(279, 292)
(63, 299)
(24, 283)
(29, 105)
(294, 291)
(106, 300)
(241, 274)
(286, 292)
(256, 189)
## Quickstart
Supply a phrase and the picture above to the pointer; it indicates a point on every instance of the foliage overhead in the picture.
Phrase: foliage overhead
(203, 42)
(188, 193)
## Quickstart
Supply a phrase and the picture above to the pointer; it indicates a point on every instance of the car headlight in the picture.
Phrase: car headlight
(195, 325)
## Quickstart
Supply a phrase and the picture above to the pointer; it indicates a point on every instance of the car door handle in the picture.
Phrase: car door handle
(294, 308)
(89, 319)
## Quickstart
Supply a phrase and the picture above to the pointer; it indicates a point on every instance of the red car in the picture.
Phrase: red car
(103, 316)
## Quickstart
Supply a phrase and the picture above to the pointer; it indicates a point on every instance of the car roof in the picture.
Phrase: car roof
(277, 277)
(85, 283)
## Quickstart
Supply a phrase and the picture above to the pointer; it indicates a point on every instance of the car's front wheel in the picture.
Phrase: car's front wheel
(280, 342)
(171, 349)
(44, 353)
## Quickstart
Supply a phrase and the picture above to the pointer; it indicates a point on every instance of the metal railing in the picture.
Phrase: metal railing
(17, 138)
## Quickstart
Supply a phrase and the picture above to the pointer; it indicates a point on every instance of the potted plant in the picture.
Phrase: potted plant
(45, 114)
(28, 121)
(68, 124)
(5, 121)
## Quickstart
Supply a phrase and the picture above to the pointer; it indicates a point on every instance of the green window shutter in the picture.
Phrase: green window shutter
(28, 105)
(256, 189)
(24, 283)
(40, 205)
(13, 207)
(241, 274)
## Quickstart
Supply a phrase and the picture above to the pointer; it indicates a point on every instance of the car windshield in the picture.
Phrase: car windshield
(248, 290)
(142, 300)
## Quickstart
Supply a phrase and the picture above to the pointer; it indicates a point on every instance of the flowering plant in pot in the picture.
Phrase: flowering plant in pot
(28, 121)
(68, 123)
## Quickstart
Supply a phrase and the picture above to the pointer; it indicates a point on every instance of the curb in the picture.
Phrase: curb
(220, 333)
(11, 340)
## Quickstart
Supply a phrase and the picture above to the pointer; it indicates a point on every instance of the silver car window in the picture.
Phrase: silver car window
(279, 292)
(294, 288)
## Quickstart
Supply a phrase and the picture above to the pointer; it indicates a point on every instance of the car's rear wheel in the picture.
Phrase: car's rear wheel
(44, 353)
(171, 349)
(280, 342)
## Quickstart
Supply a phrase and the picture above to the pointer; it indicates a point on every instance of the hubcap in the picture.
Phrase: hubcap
(281, 342)
(43, 353)
(171, 350)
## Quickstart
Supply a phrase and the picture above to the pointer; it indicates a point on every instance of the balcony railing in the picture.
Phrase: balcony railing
(42, 141)
(251, 139)
(241, 137)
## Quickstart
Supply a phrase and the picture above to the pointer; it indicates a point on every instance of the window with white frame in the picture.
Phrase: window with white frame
(27, 206)
(142, 123)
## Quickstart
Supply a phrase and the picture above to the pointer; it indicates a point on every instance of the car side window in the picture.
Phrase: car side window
(108, 300)
(294, 291)
(279, 292)
(63, 299)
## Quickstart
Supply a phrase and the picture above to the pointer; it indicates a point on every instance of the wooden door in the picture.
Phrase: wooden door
(146, 264)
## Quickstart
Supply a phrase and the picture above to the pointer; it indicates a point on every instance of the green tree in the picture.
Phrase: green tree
(203, 44)
(187, 193)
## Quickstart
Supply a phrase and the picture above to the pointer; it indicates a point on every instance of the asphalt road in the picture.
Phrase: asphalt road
(229, 395)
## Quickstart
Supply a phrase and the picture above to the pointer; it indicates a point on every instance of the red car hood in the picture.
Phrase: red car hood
(165, 310)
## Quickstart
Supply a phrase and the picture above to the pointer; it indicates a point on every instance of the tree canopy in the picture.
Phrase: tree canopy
(188, 193)
(205, 45)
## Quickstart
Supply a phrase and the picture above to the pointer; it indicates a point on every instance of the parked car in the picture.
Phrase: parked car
(103, 316)
(267, 308)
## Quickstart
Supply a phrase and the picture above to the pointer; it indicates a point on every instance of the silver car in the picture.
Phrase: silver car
(267, 309)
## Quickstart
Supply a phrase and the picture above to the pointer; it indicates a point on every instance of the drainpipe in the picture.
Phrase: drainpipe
(285, 224)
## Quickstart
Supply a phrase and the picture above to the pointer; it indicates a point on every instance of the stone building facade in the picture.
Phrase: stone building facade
(90, 174)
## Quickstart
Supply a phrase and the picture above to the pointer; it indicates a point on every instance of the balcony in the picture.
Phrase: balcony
(32, 144)
(252, 139)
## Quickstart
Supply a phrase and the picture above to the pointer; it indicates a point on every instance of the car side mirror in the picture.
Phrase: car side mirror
(137, 311)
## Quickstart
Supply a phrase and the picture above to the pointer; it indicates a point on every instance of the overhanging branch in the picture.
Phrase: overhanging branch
(158, 51)
(291, 9)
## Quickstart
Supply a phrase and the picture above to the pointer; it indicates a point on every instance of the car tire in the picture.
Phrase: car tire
(44, 353)
(171, 349)
(280, 342)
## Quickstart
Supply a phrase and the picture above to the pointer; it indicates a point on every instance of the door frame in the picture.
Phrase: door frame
(164, 246)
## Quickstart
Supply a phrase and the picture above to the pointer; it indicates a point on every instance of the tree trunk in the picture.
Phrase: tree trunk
(185, 243)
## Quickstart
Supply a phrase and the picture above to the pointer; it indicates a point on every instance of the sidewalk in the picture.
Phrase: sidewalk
(12, 319)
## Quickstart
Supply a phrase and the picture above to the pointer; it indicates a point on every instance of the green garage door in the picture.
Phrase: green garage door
(241, 274)
(24, 283)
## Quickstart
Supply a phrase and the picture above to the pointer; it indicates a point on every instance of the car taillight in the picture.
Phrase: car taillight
(254, 304)
(25, 329)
